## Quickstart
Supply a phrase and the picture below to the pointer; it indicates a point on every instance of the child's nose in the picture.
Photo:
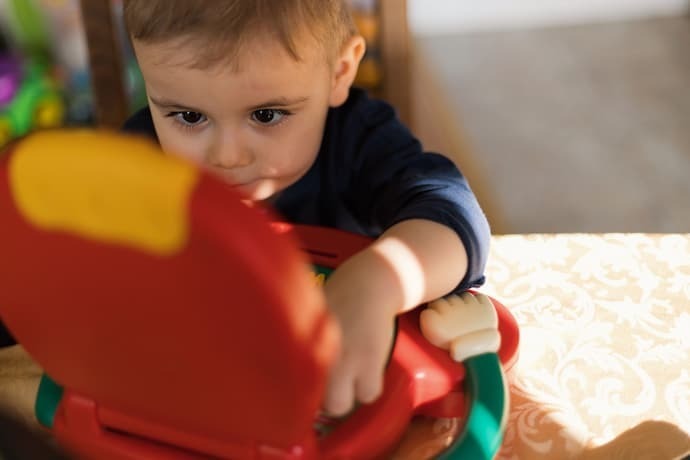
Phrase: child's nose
(230, 153)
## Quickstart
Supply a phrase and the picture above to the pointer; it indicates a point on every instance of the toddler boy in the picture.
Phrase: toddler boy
(260, 93)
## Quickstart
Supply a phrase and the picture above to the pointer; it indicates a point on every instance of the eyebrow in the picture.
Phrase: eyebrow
(172, 105)
(273, 103)
(279, 102)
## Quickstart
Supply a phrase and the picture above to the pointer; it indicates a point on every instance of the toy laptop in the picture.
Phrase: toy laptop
(174, 321)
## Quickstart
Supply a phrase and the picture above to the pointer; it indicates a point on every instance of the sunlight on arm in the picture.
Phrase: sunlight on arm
(427, 259)
(406, 266)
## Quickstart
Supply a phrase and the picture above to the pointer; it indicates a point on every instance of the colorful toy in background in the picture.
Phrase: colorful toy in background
(52, 30)
(177, 322)
(30, 96)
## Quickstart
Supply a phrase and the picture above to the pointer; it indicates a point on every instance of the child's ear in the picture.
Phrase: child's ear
(345, 69)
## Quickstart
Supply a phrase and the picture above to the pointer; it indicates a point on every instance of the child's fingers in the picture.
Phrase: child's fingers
(372, 366)
(369, 385)
(340, 394)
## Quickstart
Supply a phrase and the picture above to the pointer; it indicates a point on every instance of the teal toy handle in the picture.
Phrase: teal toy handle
(483, 434)
(47, 401)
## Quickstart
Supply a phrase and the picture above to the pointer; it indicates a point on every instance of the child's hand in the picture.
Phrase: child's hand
(357, 298)
(413, 262)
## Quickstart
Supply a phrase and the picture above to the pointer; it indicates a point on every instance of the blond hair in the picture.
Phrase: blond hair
(219, 28)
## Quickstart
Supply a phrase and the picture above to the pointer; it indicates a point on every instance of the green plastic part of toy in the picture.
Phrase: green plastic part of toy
(47, 401)
(319, 270)
(34, 89)
(484, 427)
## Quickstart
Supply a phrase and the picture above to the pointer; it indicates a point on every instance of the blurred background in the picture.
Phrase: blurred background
(566, 116)
(577, 112)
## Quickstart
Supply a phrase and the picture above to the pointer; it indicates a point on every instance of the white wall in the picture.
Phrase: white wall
(428, 17)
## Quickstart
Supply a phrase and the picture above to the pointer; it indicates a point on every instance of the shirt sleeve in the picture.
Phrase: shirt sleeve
(395, 180)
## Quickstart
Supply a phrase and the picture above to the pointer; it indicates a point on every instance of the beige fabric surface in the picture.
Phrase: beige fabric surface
(605, 344)
(604, 367)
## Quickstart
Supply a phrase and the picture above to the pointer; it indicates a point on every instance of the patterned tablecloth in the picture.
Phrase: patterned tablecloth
(604, 367)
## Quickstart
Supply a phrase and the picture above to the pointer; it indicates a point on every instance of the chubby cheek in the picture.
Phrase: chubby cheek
(289, 158)
(175, 143)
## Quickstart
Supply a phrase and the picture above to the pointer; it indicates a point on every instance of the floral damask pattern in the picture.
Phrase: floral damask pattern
(604, 366)
(605, 338)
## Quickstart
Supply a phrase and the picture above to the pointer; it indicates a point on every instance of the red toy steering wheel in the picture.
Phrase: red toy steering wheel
(180, 324)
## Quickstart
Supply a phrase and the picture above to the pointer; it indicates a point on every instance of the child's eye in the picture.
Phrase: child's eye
(188, 119)
(269, 117)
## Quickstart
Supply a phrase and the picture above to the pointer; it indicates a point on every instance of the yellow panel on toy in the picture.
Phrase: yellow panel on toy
(30, 95)
(91, 204)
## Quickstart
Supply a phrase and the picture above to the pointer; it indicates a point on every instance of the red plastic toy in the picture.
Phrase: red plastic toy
(180, 323)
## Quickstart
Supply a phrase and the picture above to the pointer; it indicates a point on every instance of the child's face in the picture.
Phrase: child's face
(259, 127)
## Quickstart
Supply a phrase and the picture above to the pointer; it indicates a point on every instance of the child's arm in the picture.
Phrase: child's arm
(413, 262)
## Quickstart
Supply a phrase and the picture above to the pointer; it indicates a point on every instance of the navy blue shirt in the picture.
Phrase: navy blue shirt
(372, 173)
